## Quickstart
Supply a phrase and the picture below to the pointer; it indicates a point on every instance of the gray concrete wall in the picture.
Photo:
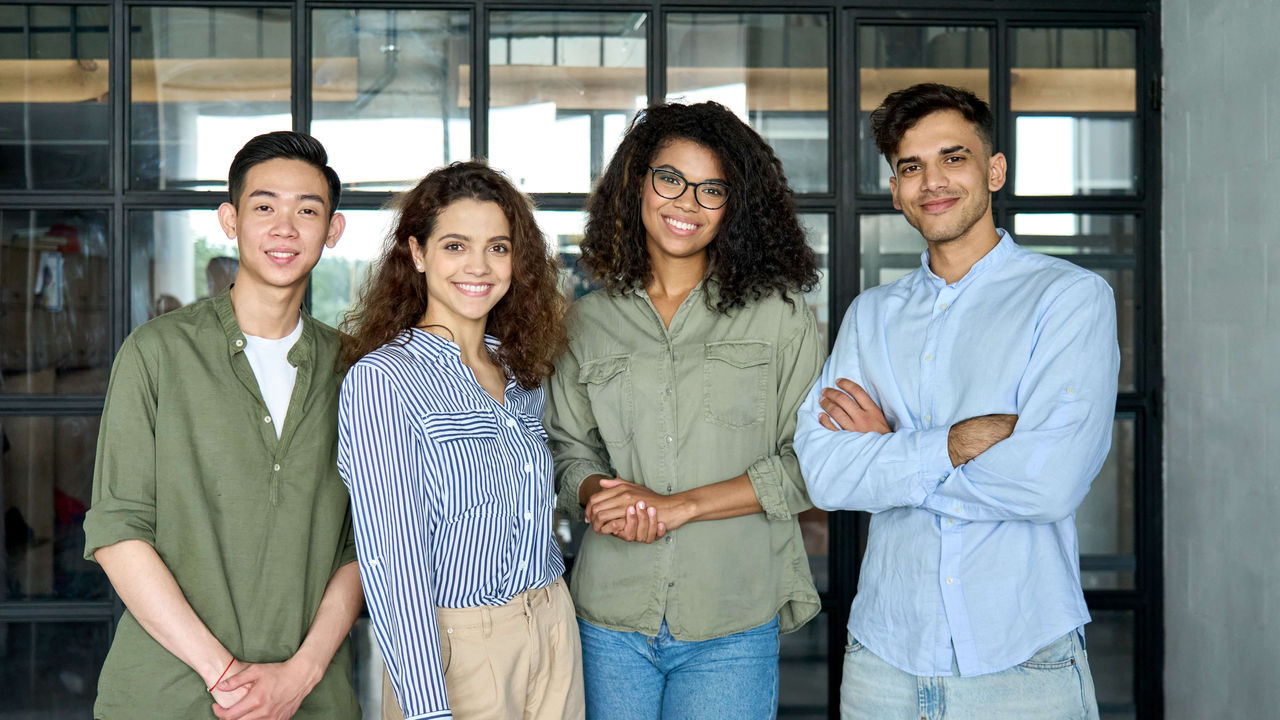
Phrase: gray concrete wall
(1222, 357)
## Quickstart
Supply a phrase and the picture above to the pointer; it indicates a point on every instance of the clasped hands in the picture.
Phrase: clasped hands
(263, 691)
(633, 512)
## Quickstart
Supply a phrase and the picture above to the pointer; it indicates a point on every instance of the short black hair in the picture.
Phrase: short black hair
(902, 109)
(287, 145)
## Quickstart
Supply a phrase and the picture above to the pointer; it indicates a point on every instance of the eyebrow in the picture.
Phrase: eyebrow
(275, 195)
(718, 181)
(944, 151)
(467, 238)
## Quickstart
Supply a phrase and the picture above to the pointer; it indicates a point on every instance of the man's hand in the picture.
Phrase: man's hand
(848, 407)
(970, 438)
(274, 690)
(224, 698)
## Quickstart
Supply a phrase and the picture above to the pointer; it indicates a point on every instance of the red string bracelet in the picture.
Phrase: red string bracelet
(224, 674)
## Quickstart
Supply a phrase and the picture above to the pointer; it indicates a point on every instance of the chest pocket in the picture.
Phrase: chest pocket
(456, 426)
(608, 382)
(735, 381)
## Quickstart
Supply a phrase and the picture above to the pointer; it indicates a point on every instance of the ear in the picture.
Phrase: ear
(337, 224)
(227, 219)
(415, 249)
(893, 191)
(997, 167)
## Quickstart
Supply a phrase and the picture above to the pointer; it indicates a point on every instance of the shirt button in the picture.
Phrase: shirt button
(928, 417)
(950, 580)
(668, 488)
(528, 467)
(276, 467)
(266, 419)
(957, 508)
(943, 306)
(928, 357)
(667, 538)
(528, 516)
(668, 439)
(511, 422)
(668, 391)
(950, 521)
(449, 631)
(239, 343)
(671, 584)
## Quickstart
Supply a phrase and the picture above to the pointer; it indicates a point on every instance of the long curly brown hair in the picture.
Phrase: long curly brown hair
(760, 247)
(528, 320)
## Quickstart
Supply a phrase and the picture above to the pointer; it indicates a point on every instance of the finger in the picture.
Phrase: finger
(613, 482)
(662, 529)
(613, 527)
(825, 421)
(642, 527)
(839, 413)
(862, 397)
(629, 527)
(240, 679)
(651, 533)
(219, 712)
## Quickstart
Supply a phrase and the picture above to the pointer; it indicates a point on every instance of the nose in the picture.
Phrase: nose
(284, 225)
(477, 262)
(933, 178)
(687, 200)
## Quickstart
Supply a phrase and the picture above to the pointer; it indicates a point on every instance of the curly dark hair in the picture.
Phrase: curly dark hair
(528, 320)
(759, 248)
(902, 109)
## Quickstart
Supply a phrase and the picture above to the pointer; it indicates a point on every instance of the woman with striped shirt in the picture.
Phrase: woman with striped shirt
(442, 447)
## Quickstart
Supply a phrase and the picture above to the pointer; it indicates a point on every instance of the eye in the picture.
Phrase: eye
(454, 246)
(669, 178)
(908, 169)
(262, 208)
(500, 248)
(308, 211)
(954, 159)
(716, 191)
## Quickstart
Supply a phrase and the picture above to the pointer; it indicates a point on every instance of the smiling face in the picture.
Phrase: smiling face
(680, 228)
(467, 262)
(281, 225)
(944, 177)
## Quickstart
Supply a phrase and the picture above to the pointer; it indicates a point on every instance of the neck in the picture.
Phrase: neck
(675, 277)
(467, 335)
(951, 260)
(267, 312)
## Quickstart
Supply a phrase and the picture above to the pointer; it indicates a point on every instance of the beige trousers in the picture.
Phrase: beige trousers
(519, 660)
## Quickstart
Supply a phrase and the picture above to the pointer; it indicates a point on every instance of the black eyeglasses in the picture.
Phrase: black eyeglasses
(710, 194)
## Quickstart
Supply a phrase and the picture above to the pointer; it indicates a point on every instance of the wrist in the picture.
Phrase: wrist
(216, 670)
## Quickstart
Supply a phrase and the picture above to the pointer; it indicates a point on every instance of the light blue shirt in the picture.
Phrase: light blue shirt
(451, 495)
(980, 559)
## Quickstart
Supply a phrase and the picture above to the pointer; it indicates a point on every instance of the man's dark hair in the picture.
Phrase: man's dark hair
(902, 109)
(287, 145)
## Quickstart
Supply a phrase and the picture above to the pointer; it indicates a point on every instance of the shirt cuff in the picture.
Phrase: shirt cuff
(935, 460)
(104, 528)
(766, 482)
(572, 475)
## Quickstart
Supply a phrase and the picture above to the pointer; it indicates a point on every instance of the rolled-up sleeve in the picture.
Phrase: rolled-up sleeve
(776, 478)
(573, 434)
(384, 474)
(124, 473)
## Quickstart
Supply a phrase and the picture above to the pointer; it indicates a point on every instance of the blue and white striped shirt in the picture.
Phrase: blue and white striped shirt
(451, 496)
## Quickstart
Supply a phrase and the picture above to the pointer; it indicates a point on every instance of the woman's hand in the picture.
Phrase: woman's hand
(620, 505)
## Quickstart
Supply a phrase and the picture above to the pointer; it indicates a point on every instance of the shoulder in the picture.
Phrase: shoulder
(177, 331)
(598, 304)
(1058, 276)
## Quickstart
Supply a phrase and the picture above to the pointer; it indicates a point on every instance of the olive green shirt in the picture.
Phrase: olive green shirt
(251, 527)
(705, 400)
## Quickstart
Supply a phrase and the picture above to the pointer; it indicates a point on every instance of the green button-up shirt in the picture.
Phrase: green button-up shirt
(252, 527)
(676, 408)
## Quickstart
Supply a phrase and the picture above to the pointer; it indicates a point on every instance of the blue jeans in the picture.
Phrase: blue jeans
(1055, 684)
(630, 676)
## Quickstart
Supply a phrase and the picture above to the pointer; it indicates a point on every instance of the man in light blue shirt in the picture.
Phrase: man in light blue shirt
(967, 406)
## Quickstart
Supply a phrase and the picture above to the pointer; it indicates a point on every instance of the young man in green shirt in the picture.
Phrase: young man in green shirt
(218, 512)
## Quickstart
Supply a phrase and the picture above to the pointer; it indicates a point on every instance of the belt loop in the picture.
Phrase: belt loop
(486, 621)
(528, 606)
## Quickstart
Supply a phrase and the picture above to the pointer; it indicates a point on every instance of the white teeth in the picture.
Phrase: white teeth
(280, 254)
(681, 225)
(472, 288)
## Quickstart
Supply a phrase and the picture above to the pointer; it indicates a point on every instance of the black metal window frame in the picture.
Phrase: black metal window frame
(843, 203)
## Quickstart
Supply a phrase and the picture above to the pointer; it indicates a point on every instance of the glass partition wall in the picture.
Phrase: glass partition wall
(118, 121)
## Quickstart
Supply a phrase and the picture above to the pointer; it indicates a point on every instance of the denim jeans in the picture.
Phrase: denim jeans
(630, 676)
(1055, 684)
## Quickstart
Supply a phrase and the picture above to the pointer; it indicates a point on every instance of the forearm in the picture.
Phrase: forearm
(726, 499)
(148, 589)
(339, 607)
(970, 438)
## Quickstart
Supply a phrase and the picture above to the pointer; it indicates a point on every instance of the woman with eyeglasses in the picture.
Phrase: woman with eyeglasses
(671, 417)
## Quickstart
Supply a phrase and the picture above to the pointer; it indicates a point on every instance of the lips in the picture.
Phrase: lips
(282, 256)
(939, 205)
(473, 289)
(680, 227)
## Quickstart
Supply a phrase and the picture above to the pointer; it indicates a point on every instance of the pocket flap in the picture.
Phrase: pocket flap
(740, 353)
(447, 427)
(601, 370)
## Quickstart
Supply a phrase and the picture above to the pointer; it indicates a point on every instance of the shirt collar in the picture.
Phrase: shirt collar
(432, 347)
(235, 337)
(995, 257)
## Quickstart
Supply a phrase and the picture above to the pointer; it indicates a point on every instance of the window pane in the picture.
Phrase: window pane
(203, 81)
(770, 69)
(802, 663)
(1105, 244)
(175, 258)
(46, 482)
(55, 113)
(1074, 98)
(1110, 641)
(344, 268)
(54, 272)
(49, 671)
(893, 57)
(890, 248)
(1105, 520)
(564, 88)
(389, 100)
